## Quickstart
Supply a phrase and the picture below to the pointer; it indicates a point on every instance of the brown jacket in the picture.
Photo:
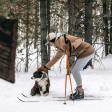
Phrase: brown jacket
(80, 48)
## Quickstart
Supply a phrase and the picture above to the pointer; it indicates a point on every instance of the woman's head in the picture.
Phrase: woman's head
(53, 36)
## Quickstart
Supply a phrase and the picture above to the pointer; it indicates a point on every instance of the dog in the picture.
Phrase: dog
(42, 83)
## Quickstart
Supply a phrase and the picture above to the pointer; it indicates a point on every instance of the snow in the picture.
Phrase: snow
(96, 82)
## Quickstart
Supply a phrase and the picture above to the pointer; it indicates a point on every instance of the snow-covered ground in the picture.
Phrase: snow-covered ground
(96, 82)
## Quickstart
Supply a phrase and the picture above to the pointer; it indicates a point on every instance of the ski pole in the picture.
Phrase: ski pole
(68, 73)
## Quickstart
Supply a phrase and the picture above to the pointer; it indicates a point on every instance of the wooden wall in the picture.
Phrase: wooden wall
(8, 42)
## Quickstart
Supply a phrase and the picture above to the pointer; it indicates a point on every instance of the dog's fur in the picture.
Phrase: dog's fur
(42, 83)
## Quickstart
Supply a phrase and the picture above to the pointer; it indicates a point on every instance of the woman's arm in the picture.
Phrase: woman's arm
(58, 55)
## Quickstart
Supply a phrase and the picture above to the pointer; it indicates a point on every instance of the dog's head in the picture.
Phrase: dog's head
(39, 75)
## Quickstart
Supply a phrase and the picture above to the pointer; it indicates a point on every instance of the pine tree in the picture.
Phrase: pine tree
(44, 31)
(110, 50)
(105, 20)
(88, 21)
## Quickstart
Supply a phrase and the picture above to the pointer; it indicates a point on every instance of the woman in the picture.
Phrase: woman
(83, 52)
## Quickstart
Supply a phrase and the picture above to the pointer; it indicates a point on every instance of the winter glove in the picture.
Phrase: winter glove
(43, 68)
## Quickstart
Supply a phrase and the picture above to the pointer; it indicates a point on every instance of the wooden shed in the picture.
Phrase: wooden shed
(8, 42)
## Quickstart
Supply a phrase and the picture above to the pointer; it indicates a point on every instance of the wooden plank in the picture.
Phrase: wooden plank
(4, 73)
(5, 58)
(2, 64)
(5, 47)
(4, 61)
(3, 52)
(6, 54)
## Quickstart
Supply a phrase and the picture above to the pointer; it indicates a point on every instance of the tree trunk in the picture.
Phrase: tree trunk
(27, 37)
(74, 8)
(36, 23)
(37, 29)
(44, 30)
(105, 20)
(88, 21)
(110, 50)
(48, 24)
(72, 16)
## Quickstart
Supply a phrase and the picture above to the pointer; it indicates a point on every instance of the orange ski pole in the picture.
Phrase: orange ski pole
(68, 73)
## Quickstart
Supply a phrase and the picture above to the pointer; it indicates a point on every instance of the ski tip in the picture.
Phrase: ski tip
(24, 95)
(20, 99)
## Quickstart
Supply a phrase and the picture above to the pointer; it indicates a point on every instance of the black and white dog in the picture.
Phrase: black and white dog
(42, 83)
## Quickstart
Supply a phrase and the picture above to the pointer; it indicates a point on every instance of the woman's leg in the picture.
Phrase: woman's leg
(77, 67)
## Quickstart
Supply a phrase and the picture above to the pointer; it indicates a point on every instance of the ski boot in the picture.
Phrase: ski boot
(79, 94)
